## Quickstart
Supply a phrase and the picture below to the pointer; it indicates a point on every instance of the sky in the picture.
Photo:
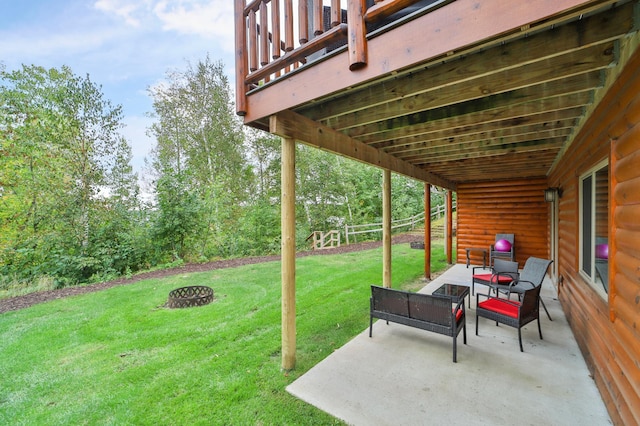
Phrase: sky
(125, 46)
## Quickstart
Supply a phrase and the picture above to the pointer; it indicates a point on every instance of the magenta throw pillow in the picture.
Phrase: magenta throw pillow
(602, 251)
(502, 245)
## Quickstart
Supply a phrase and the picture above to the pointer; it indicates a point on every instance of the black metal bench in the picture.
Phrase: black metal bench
(424, 311)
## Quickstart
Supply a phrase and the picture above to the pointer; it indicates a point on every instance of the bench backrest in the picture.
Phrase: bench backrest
(424, 307)
(390, 301)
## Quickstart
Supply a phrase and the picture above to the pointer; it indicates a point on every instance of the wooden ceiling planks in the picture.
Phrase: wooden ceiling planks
(504, 109)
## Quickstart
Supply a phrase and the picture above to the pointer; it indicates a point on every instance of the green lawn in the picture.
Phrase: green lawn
(119, 357)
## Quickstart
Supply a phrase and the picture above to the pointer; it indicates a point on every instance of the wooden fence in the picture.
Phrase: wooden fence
(407, 224)
(324, 240)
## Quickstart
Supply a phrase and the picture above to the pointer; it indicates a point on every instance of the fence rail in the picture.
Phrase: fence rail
(407, 224)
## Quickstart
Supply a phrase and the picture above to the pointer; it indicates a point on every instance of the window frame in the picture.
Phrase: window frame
(591, 277)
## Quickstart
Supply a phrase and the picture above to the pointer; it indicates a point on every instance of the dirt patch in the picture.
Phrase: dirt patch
(20, 302)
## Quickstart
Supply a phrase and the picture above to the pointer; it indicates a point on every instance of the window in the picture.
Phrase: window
(594, 227)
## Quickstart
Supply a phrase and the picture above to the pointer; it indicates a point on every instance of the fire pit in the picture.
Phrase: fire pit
(186, 297)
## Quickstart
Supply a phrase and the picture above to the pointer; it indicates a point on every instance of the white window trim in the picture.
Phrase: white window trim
(591, 280)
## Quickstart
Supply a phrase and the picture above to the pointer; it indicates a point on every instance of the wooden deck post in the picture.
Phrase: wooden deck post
(288, 268)
(386, 228)
(448, 243)
(427, 231)
(241, 57)
(357, 34)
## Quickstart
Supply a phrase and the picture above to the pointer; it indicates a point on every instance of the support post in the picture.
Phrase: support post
(386, 228)
(448, 244)
(241, 57)
(427, 231)
(288, 268)
(357, 34)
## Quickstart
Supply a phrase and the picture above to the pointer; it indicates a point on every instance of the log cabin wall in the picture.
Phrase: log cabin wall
(606, 326)
(507, 207)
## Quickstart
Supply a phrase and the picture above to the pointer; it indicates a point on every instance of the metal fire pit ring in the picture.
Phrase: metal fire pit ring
(186, 297)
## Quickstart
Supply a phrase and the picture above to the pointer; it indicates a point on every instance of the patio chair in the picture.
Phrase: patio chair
(509, 254)
(503, 272)
(531, 275)
(511, 312)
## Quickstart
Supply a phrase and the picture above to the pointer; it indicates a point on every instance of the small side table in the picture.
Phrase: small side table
(455, 292)
(480, 249)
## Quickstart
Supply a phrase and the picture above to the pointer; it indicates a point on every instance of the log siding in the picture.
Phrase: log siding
(607, 328)
(505, 207)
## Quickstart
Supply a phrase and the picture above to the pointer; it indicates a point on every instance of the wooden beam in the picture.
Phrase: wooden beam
(386, 228)
(423, 123)
(448, 245)
(554, 122)
(485, 110)
(505, 167)
(427, 231)
(288, 268)
(541, 73)
(477, 141)
(491, 149)
(291, 125)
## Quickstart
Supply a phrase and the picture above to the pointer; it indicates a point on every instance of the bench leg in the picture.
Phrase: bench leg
(370, 325)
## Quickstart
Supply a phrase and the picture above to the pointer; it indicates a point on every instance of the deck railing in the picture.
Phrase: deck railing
(275, 37)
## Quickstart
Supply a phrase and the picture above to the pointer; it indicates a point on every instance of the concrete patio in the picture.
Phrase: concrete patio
(405, 376)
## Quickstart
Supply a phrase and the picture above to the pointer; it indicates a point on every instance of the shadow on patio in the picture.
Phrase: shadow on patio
(404, 376)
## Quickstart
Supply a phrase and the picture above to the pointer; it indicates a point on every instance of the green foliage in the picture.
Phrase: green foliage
(120, 357)
(334, 191)
(203, 175)
(178, 221)
(60, 146)
(70, 206)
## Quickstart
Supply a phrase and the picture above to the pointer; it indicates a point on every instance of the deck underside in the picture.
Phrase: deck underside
(435, 106)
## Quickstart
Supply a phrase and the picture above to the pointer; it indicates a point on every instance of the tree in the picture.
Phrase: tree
(200, 145)
(59, 138)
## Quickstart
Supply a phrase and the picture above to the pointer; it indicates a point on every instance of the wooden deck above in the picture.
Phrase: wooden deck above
(463, 91)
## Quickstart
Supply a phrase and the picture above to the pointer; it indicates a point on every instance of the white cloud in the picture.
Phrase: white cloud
(120, 8)
(209, 19)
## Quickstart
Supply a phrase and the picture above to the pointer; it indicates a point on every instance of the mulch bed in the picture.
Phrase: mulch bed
(20, 302)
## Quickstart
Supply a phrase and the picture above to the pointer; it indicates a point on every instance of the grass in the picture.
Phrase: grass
(119, 357)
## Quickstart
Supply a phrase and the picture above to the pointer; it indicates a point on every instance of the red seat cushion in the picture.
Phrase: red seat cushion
(502, 279)
(458, 314)
(501, 306)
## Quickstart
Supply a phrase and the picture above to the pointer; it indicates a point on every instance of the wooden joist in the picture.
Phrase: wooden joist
(291, 125)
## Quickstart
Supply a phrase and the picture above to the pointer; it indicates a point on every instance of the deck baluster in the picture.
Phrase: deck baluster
(264, 34)
(288, 25)
(275, 25)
